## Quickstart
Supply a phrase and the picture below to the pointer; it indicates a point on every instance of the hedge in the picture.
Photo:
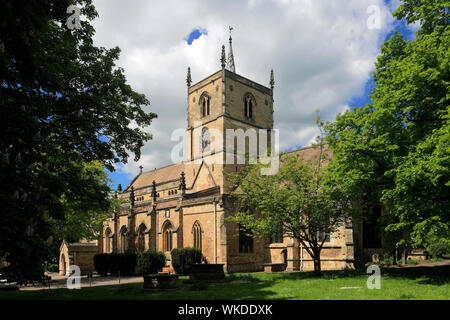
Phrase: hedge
(150, 262)
(183, 259)
(101, 264)
(112, 263)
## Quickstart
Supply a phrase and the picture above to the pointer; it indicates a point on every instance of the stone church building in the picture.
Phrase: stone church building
(186, 204)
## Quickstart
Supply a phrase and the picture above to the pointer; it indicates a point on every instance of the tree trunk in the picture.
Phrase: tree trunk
(317, 269)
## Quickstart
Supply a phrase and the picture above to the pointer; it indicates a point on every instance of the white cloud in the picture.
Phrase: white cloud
(321, 51)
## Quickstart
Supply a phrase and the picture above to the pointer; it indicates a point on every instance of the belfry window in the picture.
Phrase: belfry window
(249, 103)
(205, 103)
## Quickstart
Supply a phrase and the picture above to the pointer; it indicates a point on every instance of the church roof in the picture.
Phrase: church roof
(173, 171)
(311, 153)
(164, 174)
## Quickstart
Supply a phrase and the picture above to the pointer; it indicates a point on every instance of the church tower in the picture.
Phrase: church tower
(218, 106)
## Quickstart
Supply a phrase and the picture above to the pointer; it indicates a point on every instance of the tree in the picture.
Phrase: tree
(85, 212)
(296, 202)
(64, 104)
(395, 151)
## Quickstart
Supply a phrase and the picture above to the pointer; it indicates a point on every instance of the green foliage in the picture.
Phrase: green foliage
(150, 262)
(184, 258)
(297, 201)
(53, 267)
(85, 214)
(438, 246)
(429, 13)
(437, 259)
(67, 105)
(412, 261)
(394, 152)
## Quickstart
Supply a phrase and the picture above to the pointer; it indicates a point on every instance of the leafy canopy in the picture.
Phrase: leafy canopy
(395, 151)
(66, 110)
(296, 202)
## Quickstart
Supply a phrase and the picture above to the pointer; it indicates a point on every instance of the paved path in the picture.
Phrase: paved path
(59, 282)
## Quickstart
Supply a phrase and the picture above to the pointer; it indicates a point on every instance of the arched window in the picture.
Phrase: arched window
(197, 232)
(205, 102)
(167, 237)
(205, 140)
(249, 103)
(123, 239)
(108, 241)
(141, 238)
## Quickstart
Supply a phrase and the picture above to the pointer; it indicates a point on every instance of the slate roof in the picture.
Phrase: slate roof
(167, 173)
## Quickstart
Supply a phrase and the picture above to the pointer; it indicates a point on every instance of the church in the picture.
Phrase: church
(186, 204)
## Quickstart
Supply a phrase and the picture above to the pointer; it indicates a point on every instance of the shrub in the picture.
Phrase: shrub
(101, 264)
(183, 259)
(149, 262)
(53, 267)
(113, 262)
(128, 264)
(437, 247)
(412, 261)
(123, 262)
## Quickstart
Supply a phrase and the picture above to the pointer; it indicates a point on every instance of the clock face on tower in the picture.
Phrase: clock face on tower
(205, 140)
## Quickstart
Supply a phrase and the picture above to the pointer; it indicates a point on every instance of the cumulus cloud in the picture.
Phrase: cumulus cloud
(322, 53)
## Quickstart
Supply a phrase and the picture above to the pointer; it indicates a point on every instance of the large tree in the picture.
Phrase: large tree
(64, 104)
(395, 151)
(296, 202)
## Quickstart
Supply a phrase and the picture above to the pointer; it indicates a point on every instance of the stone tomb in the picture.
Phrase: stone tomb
(161, 281)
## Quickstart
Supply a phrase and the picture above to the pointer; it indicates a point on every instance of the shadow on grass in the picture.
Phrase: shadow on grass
(235, 288)
(435, 275)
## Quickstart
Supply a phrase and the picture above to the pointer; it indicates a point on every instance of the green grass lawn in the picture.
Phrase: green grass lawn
(406, 283)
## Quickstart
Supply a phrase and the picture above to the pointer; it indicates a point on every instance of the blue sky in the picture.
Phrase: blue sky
(197, 36)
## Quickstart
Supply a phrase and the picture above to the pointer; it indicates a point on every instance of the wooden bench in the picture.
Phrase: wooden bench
(167, 270)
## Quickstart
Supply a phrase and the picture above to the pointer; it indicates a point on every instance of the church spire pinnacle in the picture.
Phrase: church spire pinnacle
(272, 80)
(222, 58)
(189, 78)
(230, 63)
